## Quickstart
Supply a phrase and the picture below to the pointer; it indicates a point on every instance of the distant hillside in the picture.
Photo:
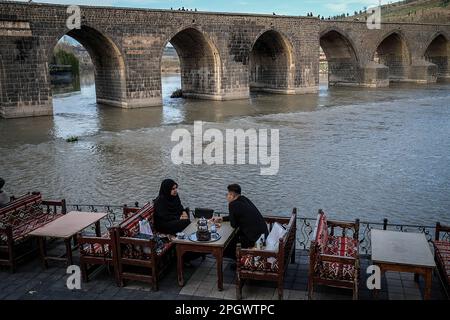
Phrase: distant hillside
(427, 11)
(170, 52)
(170, 62)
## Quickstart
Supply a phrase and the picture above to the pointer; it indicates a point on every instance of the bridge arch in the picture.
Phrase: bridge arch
(200, 63)
(343, 61)
(109, 65)
(271, 62)
(438, 52)
(393, 51)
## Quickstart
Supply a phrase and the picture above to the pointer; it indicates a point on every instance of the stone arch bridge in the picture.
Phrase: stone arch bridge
(223, 56)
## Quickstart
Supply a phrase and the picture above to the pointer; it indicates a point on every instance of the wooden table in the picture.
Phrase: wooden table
(215, 248)
(403, 252)
(66, 227)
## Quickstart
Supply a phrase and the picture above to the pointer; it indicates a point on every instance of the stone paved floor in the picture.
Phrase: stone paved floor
(31, 282)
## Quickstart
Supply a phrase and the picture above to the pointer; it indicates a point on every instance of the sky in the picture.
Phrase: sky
(281, 7)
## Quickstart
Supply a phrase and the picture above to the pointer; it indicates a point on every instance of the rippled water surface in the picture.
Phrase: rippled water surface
(353, 152)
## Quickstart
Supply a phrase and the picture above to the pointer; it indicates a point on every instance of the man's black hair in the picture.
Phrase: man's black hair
(234, 188)
(2, 183)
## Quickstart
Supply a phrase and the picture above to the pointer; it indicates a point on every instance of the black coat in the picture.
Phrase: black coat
(245, 216)
(168, 210)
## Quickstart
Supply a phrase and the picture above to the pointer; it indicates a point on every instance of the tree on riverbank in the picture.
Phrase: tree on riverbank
(62, 57)
(416, 11)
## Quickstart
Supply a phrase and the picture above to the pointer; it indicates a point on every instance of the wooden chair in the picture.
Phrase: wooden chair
(334, 260)
(99, 252)
(442, 254)
(141, 259)
(268, 265)
(20, 217)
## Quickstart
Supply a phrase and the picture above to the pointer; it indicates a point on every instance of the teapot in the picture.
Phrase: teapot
(202, 225)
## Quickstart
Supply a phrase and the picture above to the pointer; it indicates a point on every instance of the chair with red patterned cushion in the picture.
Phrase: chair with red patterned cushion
(268, 265)
(98, 252)
(442, 254)
(334, 260)
(18, 218)
(141, 259)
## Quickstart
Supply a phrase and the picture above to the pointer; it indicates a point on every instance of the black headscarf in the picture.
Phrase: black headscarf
(166, 188)
(167, 207)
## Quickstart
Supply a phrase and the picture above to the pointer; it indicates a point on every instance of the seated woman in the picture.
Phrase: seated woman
(170, 216)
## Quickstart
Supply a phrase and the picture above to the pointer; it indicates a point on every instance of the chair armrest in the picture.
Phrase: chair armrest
(273, 219)
(341, 224)
(345, 225)
(127, 211)
(54, 204)
(441, 228)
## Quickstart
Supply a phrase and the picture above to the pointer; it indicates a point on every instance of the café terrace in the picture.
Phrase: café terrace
(53, 250)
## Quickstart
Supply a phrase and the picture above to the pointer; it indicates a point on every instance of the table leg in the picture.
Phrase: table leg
(98, 230)
(180, 266)
(69, 251)
(376, 292)
(219, 263)
(43, 251)
(428, 281)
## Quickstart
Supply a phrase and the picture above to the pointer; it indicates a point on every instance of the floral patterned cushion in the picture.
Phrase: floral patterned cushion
(343, 247)
(163, 244)
(443, 255)
(257, 263)
(337, 271)
(97, 249)
(24, 215)
(20, 231)
(132, 229)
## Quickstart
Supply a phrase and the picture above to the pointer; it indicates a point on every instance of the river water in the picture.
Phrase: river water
(367, 153)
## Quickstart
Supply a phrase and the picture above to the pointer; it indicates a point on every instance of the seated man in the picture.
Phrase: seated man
(245, 216)
(3, 196)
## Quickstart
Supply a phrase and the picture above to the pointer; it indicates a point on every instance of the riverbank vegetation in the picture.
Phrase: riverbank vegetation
(419, 11)
(170, 63)
(64, 58)
(178, 93)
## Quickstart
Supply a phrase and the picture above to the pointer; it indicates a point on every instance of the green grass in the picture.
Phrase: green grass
(72, 139)
(414, 11)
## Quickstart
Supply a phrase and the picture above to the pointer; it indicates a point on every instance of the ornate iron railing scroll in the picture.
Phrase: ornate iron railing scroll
(305, 226)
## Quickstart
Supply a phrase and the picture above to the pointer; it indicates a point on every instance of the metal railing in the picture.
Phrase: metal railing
(305, 226)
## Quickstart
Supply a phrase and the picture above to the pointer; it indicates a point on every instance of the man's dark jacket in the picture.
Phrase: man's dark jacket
(245, 216)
